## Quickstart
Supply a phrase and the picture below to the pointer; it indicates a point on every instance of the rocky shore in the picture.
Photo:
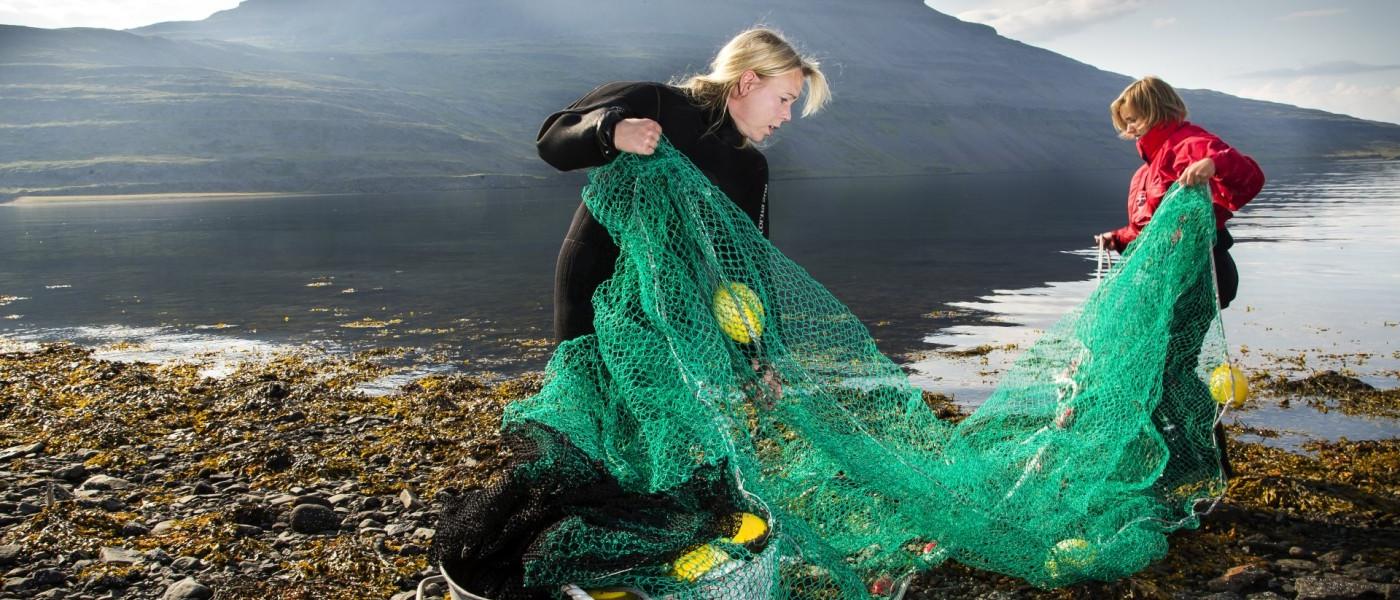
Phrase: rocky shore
(280, 480)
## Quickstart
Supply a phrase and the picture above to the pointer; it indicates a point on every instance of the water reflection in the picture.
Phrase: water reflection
(1317, 292)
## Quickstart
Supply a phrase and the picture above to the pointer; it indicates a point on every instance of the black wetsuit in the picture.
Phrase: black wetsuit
(580, 137)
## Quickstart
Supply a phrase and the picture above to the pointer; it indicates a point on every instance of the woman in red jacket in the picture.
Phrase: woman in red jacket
(1176, 151)
(1152, 113)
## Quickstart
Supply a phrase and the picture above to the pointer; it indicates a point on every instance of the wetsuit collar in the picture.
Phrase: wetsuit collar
(1149, 144)
(727, 130)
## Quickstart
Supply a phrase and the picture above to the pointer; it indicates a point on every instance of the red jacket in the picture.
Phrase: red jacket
(1170, 147)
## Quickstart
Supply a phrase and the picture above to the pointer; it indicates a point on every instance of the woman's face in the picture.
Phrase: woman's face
(1134, 126)
(760, 105)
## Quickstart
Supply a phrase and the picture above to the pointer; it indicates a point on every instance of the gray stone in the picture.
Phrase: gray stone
(120, 555)
(18, 584)
(187, 589)
(134, 529)
(1336, 588)
(1297, 565)
(105, 482)
(311, 499)
(1265, 596)
(1259, 544)
(397, 529)
(163, 527)
(410, 500)
(1374, 573)
(281, 499)
(72, 473)
(185, 563)
(312, 518)
(1334, 558)
(111, 505)
(22, 450)
(434, 590)
(49, 577)
(9, 554)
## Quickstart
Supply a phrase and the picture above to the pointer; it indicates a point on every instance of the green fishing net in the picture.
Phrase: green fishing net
(731, 431)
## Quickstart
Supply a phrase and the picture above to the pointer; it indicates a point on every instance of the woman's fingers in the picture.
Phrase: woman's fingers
(638, 136)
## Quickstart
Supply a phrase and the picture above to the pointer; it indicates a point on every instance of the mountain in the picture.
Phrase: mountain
(370, 95)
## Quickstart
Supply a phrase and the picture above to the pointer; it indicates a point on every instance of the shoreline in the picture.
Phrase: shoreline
(497, 181)
(155, 197)
(280, 479)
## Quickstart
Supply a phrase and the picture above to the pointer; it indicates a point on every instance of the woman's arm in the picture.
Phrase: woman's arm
(1238, 178)
(584, 135)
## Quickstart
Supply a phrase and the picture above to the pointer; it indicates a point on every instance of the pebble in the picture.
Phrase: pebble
(71, 473)
(22, 450)
(1338, 588)
(313, 518)
(134, 529)
(1294, 564)
(410, 500)
(10, 554)
(105, 482)
(120, 555)
(187, 589)
(186, 564)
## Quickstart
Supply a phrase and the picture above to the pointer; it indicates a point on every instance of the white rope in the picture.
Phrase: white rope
(1105, 262)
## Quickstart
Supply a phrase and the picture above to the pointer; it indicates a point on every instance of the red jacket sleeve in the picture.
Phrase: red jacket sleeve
(1237, 179)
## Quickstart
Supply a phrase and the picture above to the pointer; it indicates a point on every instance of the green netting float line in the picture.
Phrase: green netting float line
(725, 385)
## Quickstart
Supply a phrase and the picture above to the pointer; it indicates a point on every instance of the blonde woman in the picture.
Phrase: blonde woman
(714, 119)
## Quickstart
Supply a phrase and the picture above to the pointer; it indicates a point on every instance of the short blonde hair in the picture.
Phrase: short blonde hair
(765, 52)
(1153, 99)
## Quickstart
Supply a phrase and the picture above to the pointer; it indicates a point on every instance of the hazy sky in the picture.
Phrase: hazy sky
(111, 14)
(1337, 56)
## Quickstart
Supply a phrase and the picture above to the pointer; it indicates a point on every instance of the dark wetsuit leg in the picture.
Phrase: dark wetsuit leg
(1227, 276)
(1185, 397)
(579, 271)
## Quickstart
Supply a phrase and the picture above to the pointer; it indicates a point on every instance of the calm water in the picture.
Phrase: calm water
(466, 276)
(470, 274)
(1318, 290)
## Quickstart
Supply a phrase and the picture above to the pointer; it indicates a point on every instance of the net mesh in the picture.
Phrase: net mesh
(731, 430)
